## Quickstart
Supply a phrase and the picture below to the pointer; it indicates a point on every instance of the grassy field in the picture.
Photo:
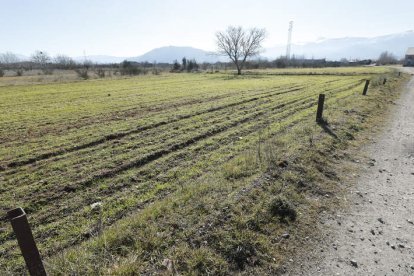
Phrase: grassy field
(186, 168)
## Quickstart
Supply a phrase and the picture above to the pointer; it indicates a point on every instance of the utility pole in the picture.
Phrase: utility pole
(289, 43)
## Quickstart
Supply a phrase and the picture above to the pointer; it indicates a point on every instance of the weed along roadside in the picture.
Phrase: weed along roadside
(224, 178)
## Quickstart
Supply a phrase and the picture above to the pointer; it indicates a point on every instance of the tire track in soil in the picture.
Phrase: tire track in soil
(119, 135)
(159, 154)
(160, 196)
(132, 112)
(139, 163)
(305, 104)
(37, 222)
(53, 194)
(33, 196)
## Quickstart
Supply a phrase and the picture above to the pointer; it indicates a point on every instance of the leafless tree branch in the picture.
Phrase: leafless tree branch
(239, 45)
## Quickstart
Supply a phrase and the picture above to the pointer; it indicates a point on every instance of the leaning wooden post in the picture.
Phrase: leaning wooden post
(399, 74)
(319, 112)
(385, 80)
(26, 242)
(366, 87)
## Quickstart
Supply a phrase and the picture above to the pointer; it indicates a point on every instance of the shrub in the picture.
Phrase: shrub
(155, 71)
(100, 73)
(47, 71)
(192, 65)
(176, 67)
(240, 248)
(1, 73)
(82, 73)
(19, 72)
(282, 208)
(387, 58)
(128, 68)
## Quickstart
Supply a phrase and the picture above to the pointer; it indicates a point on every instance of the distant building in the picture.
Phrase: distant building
(409, 57)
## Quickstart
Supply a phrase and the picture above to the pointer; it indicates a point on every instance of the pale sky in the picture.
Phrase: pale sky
(131, 28)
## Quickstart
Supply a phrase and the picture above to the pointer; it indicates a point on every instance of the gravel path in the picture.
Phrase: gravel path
(375, 236)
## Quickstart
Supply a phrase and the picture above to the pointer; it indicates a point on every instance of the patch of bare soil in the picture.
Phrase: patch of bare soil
(374, 234)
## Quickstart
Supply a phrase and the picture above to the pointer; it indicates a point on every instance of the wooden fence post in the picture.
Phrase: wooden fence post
(366, 87)
(26, 242)
(385, 80)
(319, 112)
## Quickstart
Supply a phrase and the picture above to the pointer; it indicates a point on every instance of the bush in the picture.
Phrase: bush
(47, 71)
(176, 67)
(240, 248)
(155, 71)
(100, 73)
(1, 73)
(82, 73)
(128, 68)
(387, 58)
(282, 208)
(192, 65)
(19, 72)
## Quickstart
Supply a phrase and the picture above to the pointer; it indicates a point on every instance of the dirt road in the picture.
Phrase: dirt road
(375, 235)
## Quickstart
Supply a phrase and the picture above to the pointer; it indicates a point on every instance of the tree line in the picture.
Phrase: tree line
(186, 65)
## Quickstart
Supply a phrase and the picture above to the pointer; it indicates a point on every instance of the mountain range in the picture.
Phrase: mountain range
(331, 49)
(349, 47)
(160, 55)
(170, 53)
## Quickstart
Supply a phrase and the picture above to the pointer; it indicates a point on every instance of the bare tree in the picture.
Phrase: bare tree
(9, 58)
(87, 63)
(64, 61)
(41, 58)
(386, 58)
(239, 44)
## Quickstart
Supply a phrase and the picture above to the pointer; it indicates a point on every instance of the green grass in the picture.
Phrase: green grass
(186, 166)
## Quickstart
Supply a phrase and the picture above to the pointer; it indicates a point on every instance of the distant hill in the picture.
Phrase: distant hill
(100, 59)
(349, 47)
(170, 53)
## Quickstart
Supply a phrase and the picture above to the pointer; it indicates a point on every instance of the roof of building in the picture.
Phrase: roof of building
(410, 51)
